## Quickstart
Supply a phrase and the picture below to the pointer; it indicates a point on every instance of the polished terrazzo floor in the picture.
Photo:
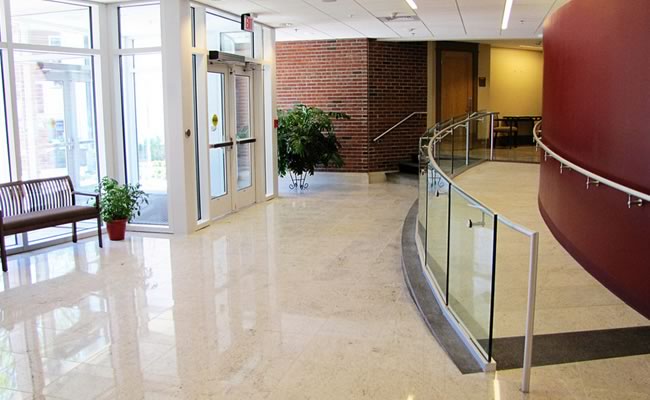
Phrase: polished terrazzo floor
(298, 298)
(568, 298)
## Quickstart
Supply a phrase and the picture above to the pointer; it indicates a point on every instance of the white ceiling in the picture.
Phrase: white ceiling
(438, 19)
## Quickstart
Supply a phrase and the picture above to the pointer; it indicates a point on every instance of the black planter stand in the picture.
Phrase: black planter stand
(298, 181)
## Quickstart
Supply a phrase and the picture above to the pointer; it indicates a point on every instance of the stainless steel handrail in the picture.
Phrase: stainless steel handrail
(533, 252)
(592, 178)
(472, 117)
(441, 135)
(398, 124)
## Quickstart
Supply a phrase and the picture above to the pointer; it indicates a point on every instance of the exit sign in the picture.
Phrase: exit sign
(247, 22)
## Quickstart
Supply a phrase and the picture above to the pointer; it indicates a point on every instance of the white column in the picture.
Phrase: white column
(177, 113)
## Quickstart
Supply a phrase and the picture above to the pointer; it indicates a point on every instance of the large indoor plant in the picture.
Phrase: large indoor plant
(118, 205)
(306, 140)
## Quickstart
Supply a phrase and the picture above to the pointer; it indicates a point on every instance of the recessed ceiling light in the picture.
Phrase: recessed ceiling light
(328, 1)
(286, 24)
(412, 4)
(506, 14)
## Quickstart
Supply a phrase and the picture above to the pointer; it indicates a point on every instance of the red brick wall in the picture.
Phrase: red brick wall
(332, 75)
(376, 83)
(397, 87)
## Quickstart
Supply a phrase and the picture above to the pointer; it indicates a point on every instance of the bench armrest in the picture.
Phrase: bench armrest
(95, 195)
(76, 193)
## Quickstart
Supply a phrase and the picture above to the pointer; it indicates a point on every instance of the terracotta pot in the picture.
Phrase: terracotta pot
(116, 229)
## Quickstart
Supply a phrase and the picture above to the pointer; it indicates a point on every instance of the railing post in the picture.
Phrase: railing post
(452, 149)
(467, 142)
(530, 314)
(491, 137)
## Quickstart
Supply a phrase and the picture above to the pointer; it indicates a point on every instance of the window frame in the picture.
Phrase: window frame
(8, 49)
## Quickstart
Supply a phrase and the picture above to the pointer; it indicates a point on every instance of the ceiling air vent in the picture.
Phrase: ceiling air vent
(399, 18)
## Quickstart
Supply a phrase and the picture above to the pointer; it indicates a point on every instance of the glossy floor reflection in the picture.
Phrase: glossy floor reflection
(299, 298)
(569, 299)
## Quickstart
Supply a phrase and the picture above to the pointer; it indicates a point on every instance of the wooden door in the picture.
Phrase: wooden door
(456, 83)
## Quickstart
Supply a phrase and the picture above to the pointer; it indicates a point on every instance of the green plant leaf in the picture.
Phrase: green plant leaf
(118, 201)
(306, 139)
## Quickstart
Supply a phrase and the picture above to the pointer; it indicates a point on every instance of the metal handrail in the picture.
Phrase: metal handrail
(441, 135)
(472, 117)
(398, 124)
(592, 178)
(534, 248)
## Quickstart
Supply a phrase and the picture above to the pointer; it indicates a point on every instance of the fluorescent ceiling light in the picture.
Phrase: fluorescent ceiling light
(412, 4)
(506, 14)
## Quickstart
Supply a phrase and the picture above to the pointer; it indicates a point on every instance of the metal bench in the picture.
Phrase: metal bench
(42, 203)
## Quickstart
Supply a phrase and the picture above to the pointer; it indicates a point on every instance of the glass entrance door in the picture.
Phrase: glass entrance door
(220, 143)
(231, 139)
(244, 138)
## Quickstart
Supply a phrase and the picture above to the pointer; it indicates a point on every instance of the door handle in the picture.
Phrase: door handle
(244, 141)
(220, 145)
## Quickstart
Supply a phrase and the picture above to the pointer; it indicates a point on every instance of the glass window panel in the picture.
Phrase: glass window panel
(193, 22)
(197, 148)
(50, 23)
(268, 131)
(259, 41)
(243, 130)
(56, 117)
(217, 134)
(218, 169)
(139, 26)
(144, 135)
(10, 241)
(216, 110)
(49, 233)
(243, 106)
(226, 35)
(244, 165)
(5, 167)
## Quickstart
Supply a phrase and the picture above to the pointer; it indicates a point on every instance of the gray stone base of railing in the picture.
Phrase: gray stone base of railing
(425, 300)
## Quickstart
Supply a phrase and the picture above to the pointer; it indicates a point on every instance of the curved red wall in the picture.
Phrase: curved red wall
(597, 115)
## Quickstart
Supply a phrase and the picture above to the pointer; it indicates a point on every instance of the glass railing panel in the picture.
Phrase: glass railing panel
(479, 140)
(472, 233)
(438, 229)
(422, 195)
(512, 273)
(458, 144)
(444, 155)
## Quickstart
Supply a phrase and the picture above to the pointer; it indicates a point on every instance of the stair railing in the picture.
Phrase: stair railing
(398, 124)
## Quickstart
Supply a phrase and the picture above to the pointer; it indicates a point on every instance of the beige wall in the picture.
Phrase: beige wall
(516, 81)
(484, 55)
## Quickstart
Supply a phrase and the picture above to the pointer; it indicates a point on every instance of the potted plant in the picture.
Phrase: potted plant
(306, 139)
(118, 205)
